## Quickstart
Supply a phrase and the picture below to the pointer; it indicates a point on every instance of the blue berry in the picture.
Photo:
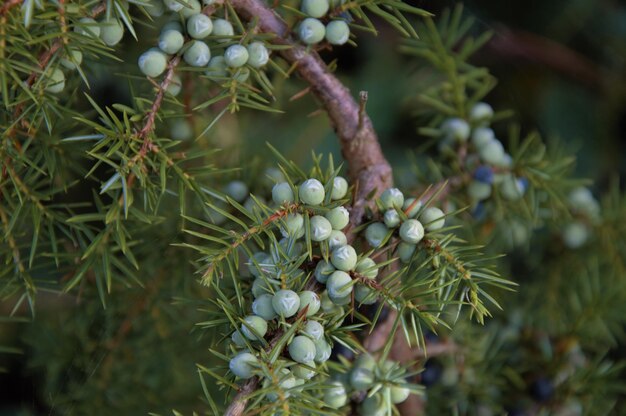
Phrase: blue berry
(484, 174)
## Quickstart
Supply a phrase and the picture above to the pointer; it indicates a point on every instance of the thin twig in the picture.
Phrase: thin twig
(4, 9)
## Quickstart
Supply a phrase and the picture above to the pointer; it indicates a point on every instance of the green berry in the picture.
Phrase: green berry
(575, 235)
(254, 327)
(310, 299)
(87, 27)
(152, 63)
(314, 8)
(337, 32)
(339, 284)
(255, 263)
(433, 218)
(392, 198)
(287, 382)
(193, 7)
(456, 129)
(391, 218)
(282, 193)
(175, 86)
(405, 251)
(399, 394)
(303, 372)
(361, 378)
(173, 25)
(302, 349)
(411, 231)
(337, 239)
(320, 228)
(335, 396)
(411, 207)
(481, 136)
(199, 26)
(74, 59)
(480, 113)
(367, 267)
(375, 233)
(241, 74)
(311, 31)
(373, 406)
(313, 329)
(492, 152)
(174, 5)
(311, 192)
(366, 361)
(236, 56)
(262, 306)
(340, 300)
(479, 191)
(111, 32)
(323, 270)
(260, 287)
(344, 258)
(223, 30)
(258, 55)
(197, 54)
(181, 129)
(238, 339)
(154, 8)
(243, 364)
(171, 41)
(340, 188)
(217, 67)
(364, 294)
(293, 226)
(339, 218)
(291, 247)
(272, 176)
(286, 303)
(237, 190)
(54, 81)
(512, 188)
(328, 306)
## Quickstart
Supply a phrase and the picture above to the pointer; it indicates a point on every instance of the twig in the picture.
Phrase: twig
(4, 9)
(238, 405)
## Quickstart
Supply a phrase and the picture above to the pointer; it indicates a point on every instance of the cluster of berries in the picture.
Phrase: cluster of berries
(586, 211)
(408, 216)
(311, 30)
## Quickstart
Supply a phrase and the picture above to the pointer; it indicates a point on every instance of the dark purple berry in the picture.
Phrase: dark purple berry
(484, 174)
(542, 389)
(432, 373)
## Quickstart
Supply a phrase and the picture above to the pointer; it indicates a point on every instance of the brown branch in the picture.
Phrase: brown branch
(238, 405)
(4, 9)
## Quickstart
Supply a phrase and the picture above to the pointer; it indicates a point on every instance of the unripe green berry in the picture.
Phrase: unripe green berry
(88, 27)
(291, 247)
(337, 32)
(399, 394)
(74, 59)
(302, 349)
(373, 406)
(223, 30)
(193, 8)
(481, 136)
(237, 190)
(293, 226)
(320, 228)
(492, 152)
(311, 31)
(303, 372)
(174, 5)
(392, 198)
(314, 8)
(154, 8)
(375, 233)
(328, 306)
(260, 287)
(405, 251)
(344, 258)
(111, 32)
(456, 129)
(311, 192)
(480, 113)
(181, 129)
(411, 231)
(339, 284)
(391, 218)
(366, 361)
(243, 364)
(575, 235)
(152, 63)
(273, 176)
(217, 67)
(339, 218)
(255, 263)
(310, 299)
(340, 188)
(286, 303)
(199, 26)
(433, 218)
(175, 86)
(282, 193)
(364, 294)
(323, 270)
(241, 74)
(258, 55)
(511, 188)
(361, 378)
(335, 396)
(262, 306)
(54, 80)
(313, 329)
(197, 54)
(411, 207)
(479, 191)
(367, 267)
(173, 25)
(238, 339)
(337, 239)
(287, 381)
(254, 328)
(236, 56)
(340, 300)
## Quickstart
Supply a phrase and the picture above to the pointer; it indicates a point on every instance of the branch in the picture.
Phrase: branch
(238, 405)
(8, 6)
